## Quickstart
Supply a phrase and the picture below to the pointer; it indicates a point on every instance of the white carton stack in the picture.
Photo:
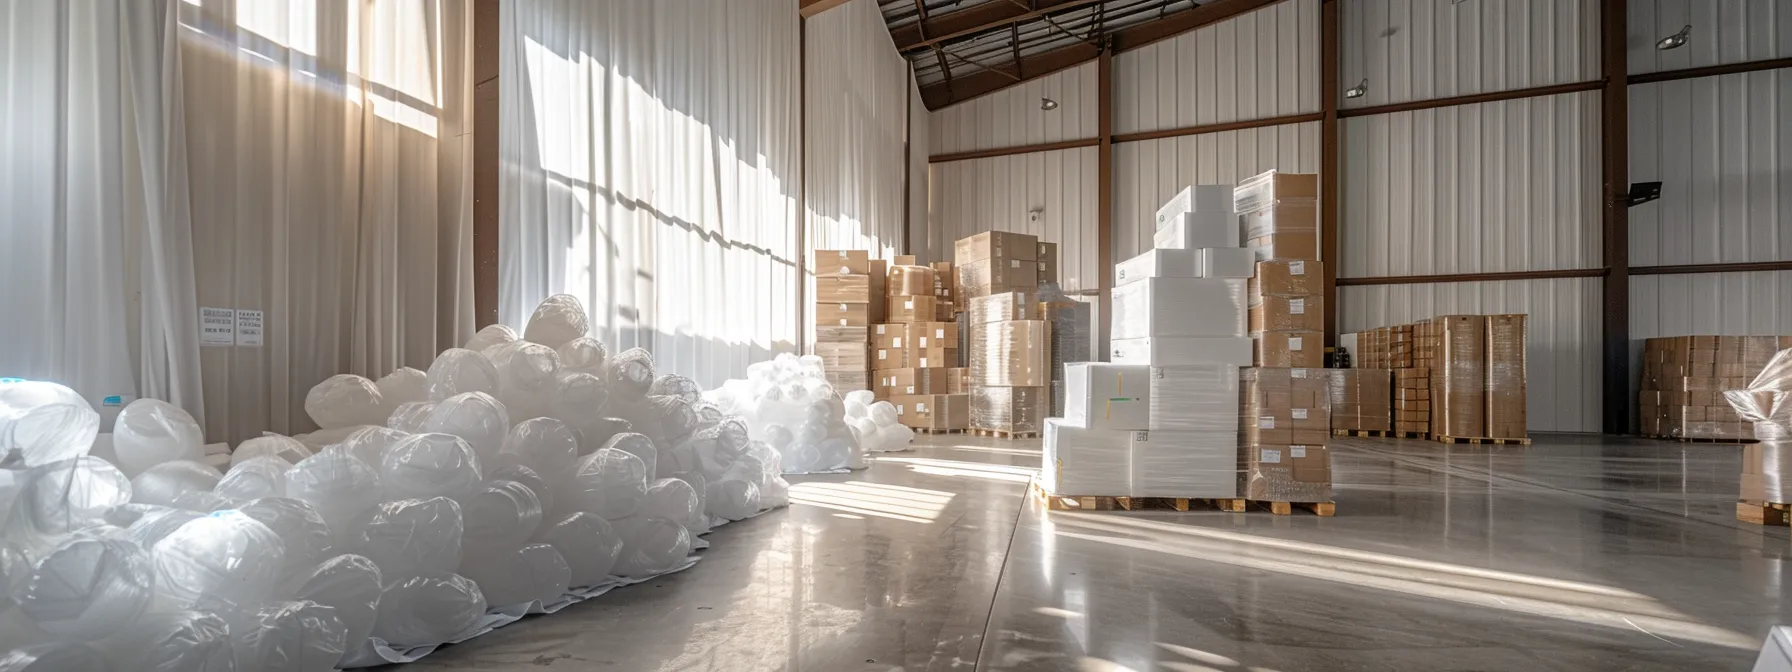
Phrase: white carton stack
(1161, 420)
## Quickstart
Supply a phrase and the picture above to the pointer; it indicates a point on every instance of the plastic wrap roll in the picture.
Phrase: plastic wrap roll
(161, 484)
(498, 518)
(152, 525)
(675, 500)
(544, 444)
(338, 486)
(587, 543)
(343, 400)
(402, 386)
(45, 422)
(674, 385)
(558, 319)
(149, 432)
(650, 546)
(583, 355)
(286, 448)
(349, 584)
(183, 641)
(630, 373)
(579, 403)
(509, 469)
(476, 417)
(228, 557)
(255, 478)
(733, 498)
(287, 637)
(492, 335)
(410, 418)
(61, 498)
(609, 483)
(369, 444)
(412, 536)
(521, 575)
(528, 374)
(427, 609)
(302, 532)
(459, 371)
(53, 657)
(429, 465)
(88, 588)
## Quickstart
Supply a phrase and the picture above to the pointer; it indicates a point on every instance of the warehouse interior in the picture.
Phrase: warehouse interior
(1093, 335)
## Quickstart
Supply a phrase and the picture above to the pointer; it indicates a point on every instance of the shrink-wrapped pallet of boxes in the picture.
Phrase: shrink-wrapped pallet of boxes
(849, 299)
(1685, 378)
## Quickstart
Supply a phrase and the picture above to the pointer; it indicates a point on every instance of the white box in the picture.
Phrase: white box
(1181, 307)
(1195, 230)
(1170, 463)
(1181, 350)
(1198, 198)
(1228, 262)
(1080, 462)
(1109, 396)
(1161, 264)
(1198, 397)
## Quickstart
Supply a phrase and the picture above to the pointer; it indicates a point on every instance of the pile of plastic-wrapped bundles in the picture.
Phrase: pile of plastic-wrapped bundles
(790, 407)
(517, 473)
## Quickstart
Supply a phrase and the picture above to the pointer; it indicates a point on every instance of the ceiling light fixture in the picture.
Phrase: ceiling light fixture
(1048, 104)
(1674, 41)
(1358, 90)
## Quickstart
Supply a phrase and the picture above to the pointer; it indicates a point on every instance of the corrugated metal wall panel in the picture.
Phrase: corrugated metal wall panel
(918, 147)
(857, 115)
(1722, 148)
(1424, 49)
(1012, 117)
(1493, 187)
(997, 194)
(1731, 304)
(1563, 335)
(1723, 31)
(1149, 172)
(1257, 65)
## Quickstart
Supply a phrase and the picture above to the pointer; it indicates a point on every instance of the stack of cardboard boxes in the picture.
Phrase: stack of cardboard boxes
(945, 297)
(1362, 399)
(849, 298)
(1286, 419)
(1071, 324)
(997, 280)
(1279, 217)
(1684, 379)
(1412, 402)
(1478, 376)
(914, 355)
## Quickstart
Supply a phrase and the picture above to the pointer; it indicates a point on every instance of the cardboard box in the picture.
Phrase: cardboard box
(1288, 277)
(1228, 262)
(1184, 463)
(840, 334)
(996, 245)
(849, 381)
(903, 260)
(1288, 245)
(1287, 216)
(1265, 189)
(1156, 307)
(1048, 262)
(943, 311)
(1195, 230)
(1008, 409)
(1284, 313)
(842, 289)
(843, 314)
(1459, 381)
(1092, 462)
(1002, 307)
(1181, 350)
(889, 336)
(879, 274)
(912, 381)
(909, 281)
(1107, 396)
(1291, 473)
(1012, 353)
(912, 356)
(1506, 377)
(842, 262)
(844, 356)
(958, 380)
(933, 411)
(993, 276)
(906, 309)
(944, 280)
(1289, 348)
(1159, 264)
(1197, 198)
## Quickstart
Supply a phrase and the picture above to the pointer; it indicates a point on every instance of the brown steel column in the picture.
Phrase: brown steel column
(1104, 199)
(485, 162)
(1615, 134)
(1329, 55)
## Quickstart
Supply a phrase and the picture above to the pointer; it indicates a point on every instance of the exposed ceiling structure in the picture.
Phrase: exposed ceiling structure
(964, 48)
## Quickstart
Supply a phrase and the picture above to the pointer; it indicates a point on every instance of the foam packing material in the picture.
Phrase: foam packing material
(1198, 397)
(1156, 307)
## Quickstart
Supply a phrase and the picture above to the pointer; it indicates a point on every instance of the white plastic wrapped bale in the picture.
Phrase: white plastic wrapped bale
(45, 422)
(638, 445)
(545, 445)
(427, 609)
(149, 432)
(476, 417)
(699, 484)
(490, 336)
(227, 557)
(630, 374)
(53, 657)
(1185, 463)
(316, 442)
(557, 319)
(181, 641)
(459, 371)
(588, 544)
(536, 572)
(161, 484)
(412, 536)
(286, 448)
(510, 469)
(343, 400)
(650, 546)
(202, 502)
(287, 637)
(348, 584)
(674, 385)
(88, 588)
(528, 375)
(369, 444)
(497, 519)
(1085, 462)
(337, 486)
(61, 498)
(675, 500)
(608, 483)
(302, 532)
(429, 465)
(410, 418)
(583, 355)
(403, 386)
(253, 479)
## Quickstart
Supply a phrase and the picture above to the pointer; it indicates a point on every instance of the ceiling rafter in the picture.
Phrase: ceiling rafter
(974, 20)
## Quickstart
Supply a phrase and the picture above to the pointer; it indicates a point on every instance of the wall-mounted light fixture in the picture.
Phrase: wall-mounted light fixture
(1358, 90)
(1674, 41)
(1048, 104)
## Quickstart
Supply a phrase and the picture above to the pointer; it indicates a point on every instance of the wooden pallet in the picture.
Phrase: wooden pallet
(1481, 440)
(1003, 434)
(1366, 433)
(1325, 509)
(1129, 503)
(930, 430)
(1764, 513)
(1688, 439)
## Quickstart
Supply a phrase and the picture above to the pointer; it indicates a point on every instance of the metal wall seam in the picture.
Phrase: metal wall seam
(1563, 335)
(1256, 65)
(999, 193)
(1014, 117)
(1149, 172)
(1411, 50)
(1723, 32)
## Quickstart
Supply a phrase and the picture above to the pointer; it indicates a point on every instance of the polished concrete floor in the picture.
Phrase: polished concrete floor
(1574, 554)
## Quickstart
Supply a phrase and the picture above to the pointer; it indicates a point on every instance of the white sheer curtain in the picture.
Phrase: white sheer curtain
(329, 144)
(95, 235)
(649, 168)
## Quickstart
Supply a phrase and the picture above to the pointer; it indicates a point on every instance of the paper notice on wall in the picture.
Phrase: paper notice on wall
(248, 328)
(217, 327)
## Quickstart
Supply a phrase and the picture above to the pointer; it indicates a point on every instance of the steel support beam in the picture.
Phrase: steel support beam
(1615, 133)
(1104, 199)
(1329, 55)
(485, 162)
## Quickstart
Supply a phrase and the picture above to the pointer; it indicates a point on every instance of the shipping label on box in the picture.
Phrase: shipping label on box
(1288, 313)
(907, 309)
(1288, 277)
(931, 357)
(838, 262)
(843, 314)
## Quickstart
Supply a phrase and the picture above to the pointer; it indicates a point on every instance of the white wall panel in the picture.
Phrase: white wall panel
(1012, 117)
(856, 114)
(1728, 304)
(1149, 172)
(1256, 65)
(998, 193)
(1562, 341)
(918, 148)
(1723, 31)
(1722, 149)
(1493, 187)
(1424, 49)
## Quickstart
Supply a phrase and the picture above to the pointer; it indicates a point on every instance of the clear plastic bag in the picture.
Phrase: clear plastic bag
(587, 543)
(337, 486)
(459, 371)
(45, 422)
(609, 483)
(402, 386)
(227, 557)
(733, 499)
(303, 533)
(254, 479)
(412, 536)
(149, 432)
(630, 374)
(492, 335)
(545, 445)
(477, 417)
(369, 444)
(161, 484)
(61, 498)
(151, 525)
(429, 465)
(349, 584)
(342, 400)
(498, 519)
(521, 575)
(88, 588)
(287, 637)
(583, 355)
(650, 546)
(270, 445)
(410, 418)
(53, 657)
(674, 385)
(637, 445)
(511, 469)
(558, 319)
(182, 641)
(427, 609)
(528, 376)
(579, 403)
(675, 500)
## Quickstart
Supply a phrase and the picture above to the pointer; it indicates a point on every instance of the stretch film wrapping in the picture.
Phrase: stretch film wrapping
(1079, 461)
(1008, 409)
(1458, 382)
(1285, 421)
(1184, 463)
(1071, 325)
(910, 281)
(1194, 398)
(1157, 307)
(1505, 376)
(1012, 353)
(1767, 403)
(1107, 396)
(1003, 307)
